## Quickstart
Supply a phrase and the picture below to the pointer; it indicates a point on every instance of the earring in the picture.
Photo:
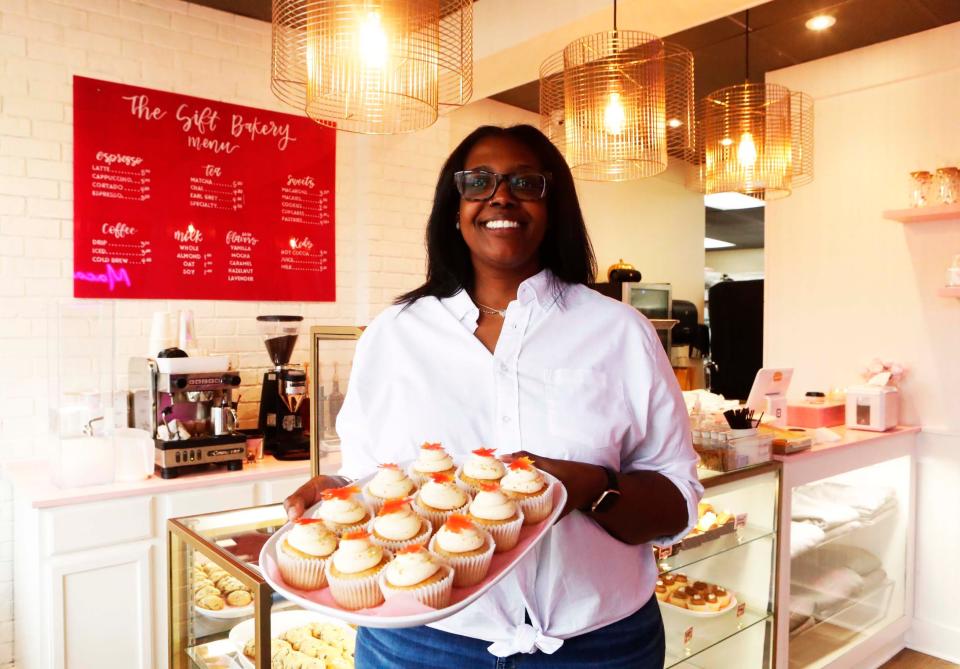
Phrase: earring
(458, 222)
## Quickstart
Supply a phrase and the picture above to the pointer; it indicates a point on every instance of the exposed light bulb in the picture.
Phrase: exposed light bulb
(373, 41)
(674, 123)
(820, 22)
(726, 141)
(747, 151)
(614, 117)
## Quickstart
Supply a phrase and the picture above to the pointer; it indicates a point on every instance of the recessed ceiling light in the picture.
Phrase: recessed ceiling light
(726, 141)
(820, 22)
(731, 201)
(709, 243)
(674, 123)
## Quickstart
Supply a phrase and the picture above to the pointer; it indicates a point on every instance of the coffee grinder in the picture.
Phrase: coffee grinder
(284, 410)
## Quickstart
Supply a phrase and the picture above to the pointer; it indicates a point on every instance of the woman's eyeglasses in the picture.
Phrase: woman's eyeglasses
(480, 185)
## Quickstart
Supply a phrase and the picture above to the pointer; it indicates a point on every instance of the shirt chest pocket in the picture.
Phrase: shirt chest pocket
(579, 402)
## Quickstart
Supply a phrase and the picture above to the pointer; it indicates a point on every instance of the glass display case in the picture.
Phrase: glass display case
(222, 612)
(331, 358)
(732, 554)
(849, 541)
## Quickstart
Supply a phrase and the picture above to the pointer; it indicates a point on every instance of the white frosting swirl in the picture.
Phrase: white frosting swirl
(312, 539)
(484, 467)
(523, 480)
(356, 555)
(443, 496)
(411, 568)
(390, 483)
(398, 526)
(431, 460)
(468, 539)
(492, 505)
(342, 511)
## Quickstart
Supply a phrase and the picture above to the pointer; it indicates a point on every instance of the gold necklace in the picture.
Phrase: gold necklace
(490, 311)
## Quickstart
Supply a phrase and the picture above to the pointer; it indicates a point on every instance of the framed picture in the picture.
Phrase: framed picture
(331, 359)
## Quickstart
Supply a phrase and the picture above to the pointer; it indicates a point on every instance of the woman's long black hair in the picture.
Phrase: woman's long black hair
(566, 250)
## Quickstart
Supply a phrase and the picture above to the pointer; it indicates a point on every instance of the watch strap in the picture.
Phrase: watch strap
(608, 496)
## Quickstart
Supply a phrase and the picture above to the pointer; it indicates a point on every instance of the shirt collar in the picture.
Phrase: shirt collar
(544, 287)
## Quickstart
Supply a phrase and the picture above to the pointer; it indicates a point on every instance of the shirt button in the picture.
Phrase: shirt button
(514, 326)
(504, 368)
(505, 419)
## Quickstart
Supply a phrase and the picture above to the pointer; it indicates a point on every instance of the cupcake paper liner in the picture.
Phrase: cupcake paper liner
(435, 595)
(536, 508)
(420, 478)
(375, 503)
(395, 545)
(340, 529)
(504, 535)
(356, 593)
(302, 573)
(469, 486)
(437, 518)
(471, 569)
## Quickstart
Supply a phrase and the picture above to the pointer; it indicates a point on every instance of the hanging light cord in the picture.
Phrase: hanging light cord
(614, 15)
(746, 48)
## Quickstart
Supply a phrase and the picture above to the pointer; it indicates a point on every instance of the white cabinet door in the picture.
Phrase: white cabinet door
(102, 608)
(275, 491)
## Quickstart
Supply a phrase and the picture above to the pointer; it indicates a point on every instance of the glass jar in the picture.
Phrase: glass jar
(921, 188)
(948, 185)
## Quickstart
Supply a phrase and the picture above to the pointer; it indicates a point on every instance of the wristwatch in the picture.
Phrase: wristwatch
(608, 497)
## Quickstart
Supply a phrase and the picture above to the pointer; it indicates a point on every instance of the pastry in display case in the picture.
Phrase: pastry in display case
(716, 586)
(223, 614)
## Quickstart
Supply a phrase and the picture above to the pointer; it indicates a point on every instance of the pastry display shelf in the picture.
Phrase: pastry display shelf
(730, 542)
(940, 212)
(720, 630)
(221, 654)
(883, 517)
(949, 291)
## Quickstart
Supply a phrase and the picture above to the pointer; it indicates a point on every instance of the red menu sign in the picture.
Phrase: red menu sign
(181, 197)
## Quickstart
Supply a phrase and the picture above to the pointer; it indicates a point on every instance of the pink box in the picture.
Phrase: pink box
(828, 414)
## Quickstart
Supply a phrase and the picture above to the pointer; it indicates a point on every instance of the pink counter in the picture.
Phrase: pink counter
(848, 439)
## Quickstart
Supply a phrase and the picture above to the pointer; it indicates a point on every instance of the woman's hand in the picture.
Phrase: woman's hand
(584, 482)
(309, 494)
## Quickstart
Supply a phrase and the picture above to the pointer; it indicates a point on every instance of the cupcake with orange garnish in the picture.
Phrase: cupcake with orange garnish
(353, 569)
(397, 526)
(417, 572)
(497, 514)
(390, 482)
(480, 467)
(526, 484)
(431, 459)
(465, 547)
(439, 497)
(341, 511)
(303, 553)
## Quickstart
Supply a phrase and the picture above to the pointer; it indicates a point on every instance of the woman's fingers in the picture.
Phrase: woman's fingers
(305, 497)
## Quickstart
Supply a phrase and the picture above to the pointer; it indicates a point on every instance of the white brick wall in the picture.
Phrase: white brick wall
(384, 189)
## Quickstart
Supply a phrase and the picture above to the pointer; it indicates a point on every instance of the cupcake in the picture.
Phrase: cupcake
(439, 497)
(498, 515)
(303, 553)
(389, 483)
(669, 581)
(432, 459)
(681, 579)
(481, 467)
(713, 603)
(341, 511)
(526, 484)
(352, 571)
(465, 547)
(397, 526)
(417, 572)
(660, 590)
(697, 602)
(679, 597)
(723, 597)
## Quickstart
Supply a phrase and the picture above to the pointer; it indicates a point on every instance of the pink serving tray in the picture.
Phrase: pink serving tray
(403, 611)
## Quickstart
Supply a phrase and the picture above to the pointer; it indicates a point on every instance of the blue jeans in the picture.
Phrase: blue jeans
(636, 642)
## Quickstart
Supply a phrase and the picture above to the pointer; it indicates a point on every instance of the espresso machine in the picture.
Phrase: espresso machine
(191, 415)
(284, 410)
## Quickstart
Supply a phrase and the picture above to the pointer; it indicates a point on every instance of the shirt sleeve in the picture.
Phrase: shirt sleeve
(659, 436)
(352, 423)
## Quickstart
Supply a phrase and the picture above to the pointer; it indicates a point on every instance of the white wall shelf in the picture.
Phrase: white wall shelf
(940, 212)
(949, 291)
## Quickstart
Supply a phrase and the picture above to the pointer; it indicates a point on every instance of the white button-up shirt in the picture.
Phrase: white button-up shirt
(575, 375)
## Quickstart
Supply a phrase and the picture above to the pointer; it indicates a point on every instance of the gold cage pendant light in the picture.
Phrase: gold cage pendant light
(618, 104)
(755, 139)
(373, 66)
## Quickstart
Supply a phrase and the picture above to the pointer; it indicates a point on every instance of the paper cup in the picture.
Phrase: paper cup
(301, 573)
(470, 486)
(437, 518)
(467, 570)
(505, 535)
(436, 595)
(535, 508)
(356, 593)
(394, 545)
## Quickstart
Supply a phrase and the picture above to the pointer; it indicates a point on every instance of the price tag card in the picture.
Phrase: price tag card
(663, 552)
(740, 521)
(741, 608)
(688, 635)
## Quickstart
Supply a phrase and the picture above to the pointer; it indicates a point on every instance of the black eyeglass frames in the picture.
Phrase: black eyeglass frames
(480, 185)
